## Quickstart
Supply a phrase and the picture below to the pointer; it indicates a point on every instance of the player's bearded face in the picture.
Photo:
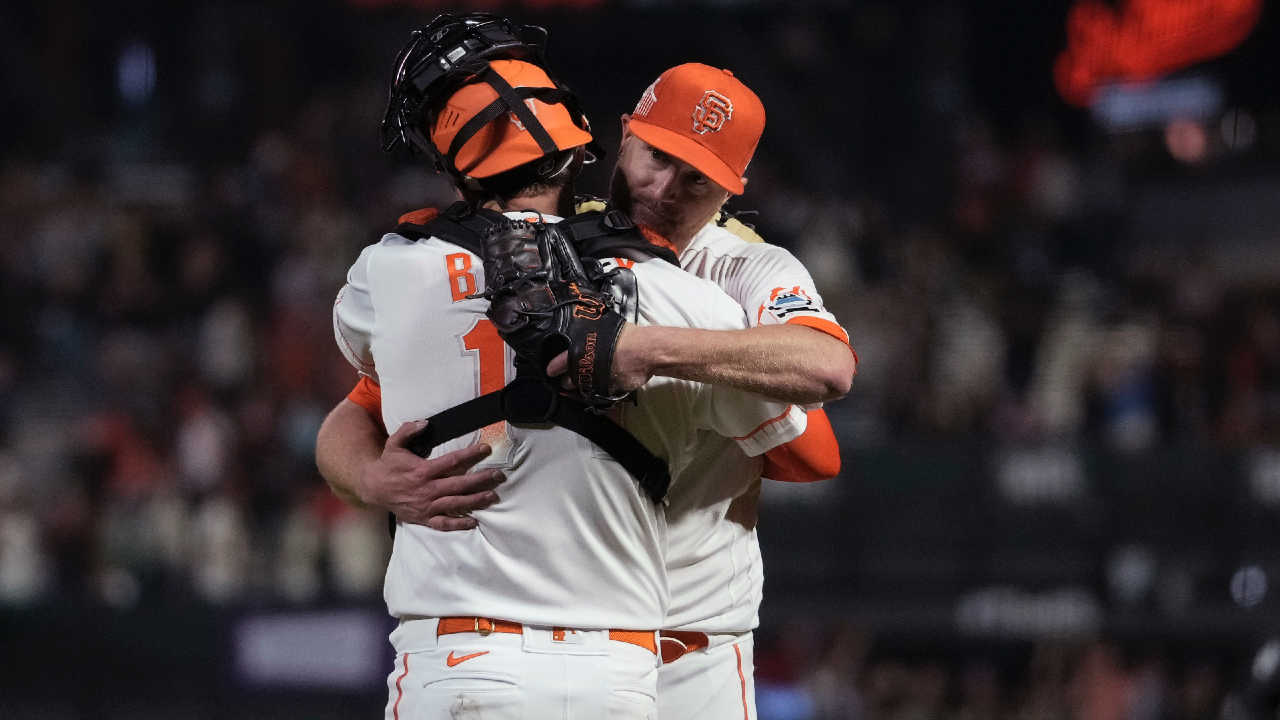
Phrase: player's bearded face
(662, 192)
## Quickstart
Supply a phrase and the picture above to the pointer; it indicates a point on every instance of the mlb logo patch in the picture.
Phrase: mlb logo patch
(565, 635)
(784, 302)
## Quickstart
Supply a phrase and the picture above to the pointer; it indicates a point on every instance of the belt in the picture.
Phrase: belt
(485, 626)
(677, 643)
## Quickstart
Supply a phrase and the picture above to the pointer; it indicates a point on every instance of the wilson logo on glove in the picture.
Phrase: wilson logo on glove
(587, 366)
(542, 301)
(588, 308)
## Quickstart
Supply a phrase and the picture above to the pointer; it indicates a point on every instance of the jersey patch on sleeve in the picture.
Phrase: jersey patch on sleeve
(784, 302)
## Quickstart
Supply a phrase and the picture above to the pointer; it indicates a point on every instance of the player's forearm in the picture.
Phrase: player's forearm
(348, 442)
(791, 363)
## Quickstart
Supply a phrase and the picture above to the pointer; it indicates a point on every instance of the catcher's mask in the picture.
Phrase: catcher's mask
(473, 92)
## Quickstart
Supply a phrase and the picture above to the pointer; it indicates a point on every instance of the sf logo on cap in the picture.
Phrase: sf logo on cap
(712, 112)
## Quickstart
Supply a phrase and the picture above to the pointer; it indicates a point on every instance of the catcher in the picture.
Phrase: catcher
(569, 566)
(795, 351)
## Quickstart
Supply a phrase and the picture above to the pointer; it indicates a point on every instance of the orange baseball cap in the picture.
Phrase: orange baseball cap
(504, 143)
(705, 117)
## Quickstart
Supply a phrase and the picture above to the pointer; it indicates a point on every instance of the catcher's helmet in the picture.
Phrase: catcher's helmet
(454, 52)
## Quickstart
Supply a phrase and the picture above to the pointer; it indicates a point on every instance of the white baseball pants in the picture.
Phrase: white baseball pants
(529, 676)
(712, 684)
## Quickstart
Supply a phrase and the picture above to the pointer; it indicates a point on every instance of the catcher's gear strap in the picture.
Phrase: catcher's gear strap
(601, 234)
(528, 401)
(733, 224)
(725, 219)
(593, 233)
(459, 224)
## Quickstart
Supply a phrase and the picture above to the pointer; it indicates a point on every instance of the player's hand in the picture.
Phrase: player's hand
(630, 361)
(630, 370)
(440, 492)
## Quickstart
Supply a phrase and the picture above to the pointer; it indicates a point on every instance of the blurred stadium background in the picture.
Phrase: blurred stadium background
(1061, 485)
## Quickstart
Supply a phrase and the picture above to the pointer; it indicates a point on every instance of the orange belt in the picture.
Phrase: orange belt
(485, 626)
(677, 643)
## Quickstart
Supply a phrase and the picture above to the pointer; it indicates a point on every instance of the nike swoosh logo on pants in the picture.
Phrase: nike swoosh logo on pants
(451, 660)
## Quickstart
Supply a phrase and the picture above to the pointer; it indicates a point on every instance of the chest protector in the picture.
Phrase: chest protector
(596, 235)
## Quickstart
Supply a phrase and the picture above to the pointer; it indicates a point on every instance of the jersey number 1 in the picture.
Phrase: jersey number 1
(484, 341)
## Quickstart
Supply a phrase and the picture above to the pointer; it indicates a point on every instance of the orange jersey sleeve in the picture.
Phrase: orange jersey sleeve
(828, 327)
(822, 325)
(815, 455)
(368, 395)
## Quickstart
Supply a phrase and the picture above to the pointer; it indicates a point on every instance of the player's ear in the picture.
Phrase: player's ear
(744, 182)
(579, 159)
(626, 126)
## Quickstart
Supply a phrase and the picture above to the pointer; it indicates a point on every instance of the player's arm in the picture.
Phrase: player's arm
(796, 351)
(792, 363)
(368, 469)
(815, 455)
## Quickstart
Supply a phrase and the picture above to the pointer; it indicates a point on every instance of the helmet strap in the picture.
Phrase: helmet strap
(498, 107)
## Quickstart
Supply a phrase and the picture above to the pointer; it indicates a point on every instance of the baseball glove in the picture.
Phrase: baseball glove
(543, 302)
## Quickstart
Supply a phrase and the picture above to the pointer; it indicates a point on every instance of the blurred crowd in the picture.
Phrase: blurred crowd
(167, 352)
(1030, 313)
(167, 356)
(166, 362)
(841, 675)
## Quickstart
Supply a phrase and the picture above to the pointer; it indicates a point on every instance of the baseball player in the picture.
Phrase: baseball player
(713, 558)
(549, 608)
(684, 151)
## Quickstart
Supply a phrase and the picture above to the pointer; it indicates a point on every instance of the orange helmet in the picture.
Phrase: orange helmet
(473, 92)
(481, 138)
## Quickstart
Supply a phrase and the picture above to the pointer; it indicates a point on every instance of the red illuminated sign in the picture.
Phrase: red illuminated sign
(1144, 39)
(477, 5)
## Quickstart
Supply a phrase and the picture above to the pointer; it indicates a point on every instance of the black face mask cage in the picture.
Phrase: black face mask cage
(452, 51)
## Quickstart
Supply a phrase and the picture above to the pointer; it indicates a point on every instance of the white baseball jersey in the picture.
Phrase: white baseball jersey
(574, 542)
(713, 562)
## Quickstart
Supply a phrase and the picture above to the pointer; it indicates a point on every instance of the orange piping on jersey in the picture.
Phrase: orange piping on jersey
(815, 455)
(822, 325)
(765, 424)
(395, 709)
(420, 217)
(368, 395)
(746, 712)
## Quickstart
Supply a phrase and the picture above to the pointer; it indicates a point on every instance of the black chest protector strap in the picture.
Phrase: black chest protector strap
(527, 400)
(605, 234)
(595, 234)
(458, 224)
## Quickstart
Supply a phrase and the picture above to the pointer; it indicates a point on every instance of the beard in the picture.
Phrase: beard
(674, 226)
